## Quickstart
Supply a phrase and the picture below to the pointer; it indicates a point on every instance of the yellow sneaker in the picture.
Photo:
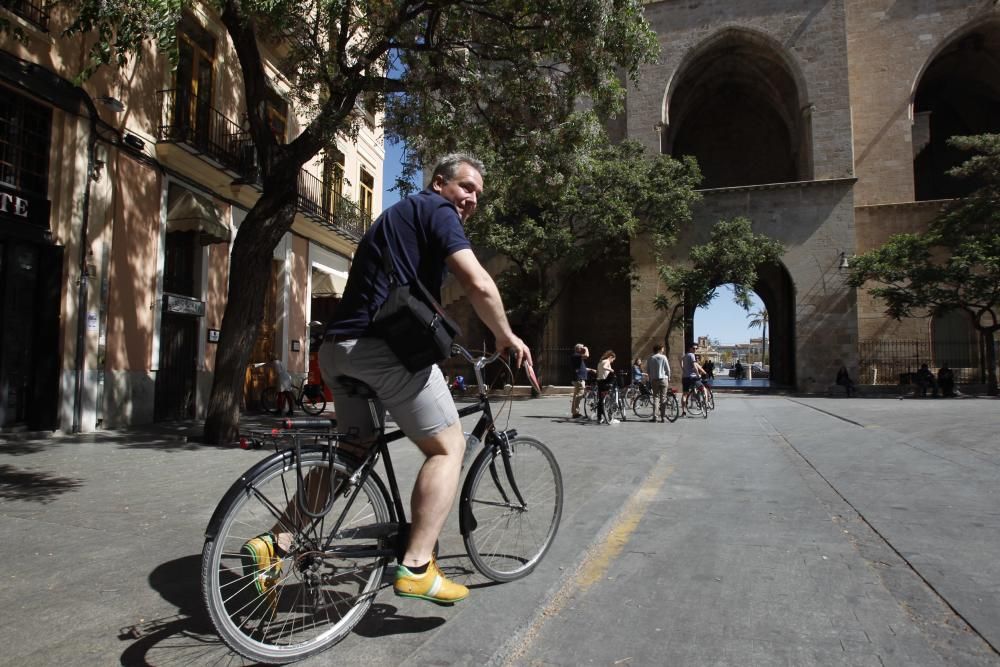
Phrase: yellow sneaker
(261, 563)
(431, 585)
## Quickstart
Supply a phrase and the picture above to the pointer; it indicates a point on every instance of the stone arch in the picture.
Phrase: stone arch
(776, 290)
(957, 92)
(739, 103)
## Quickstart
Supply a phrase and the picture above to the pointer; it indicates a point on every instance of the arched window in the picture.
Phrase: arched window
(954, 340)
(737, 108)
(959, 94)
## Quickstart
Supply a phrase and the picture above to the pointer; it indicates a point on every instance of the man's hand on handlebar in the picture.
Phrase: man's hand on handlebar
(513, 343)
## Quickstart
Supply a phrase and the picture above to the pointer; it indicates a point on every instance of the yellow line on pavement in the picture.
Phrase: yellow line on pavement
(596, 564)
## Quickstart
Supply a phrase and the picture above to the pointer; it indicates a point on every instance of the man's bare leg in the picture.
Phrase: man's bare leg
(434, 491)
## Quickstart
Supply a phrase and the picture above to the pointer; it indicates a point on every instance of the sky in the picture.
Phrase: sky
(723, 320)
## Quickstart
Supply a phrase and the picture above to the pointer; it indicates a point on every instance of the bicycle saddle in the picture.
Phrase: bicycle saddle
(355, 387)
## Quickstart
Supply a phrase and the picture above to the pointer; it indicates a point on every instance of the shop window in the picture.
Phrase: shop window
(367, 196)
(25, 132)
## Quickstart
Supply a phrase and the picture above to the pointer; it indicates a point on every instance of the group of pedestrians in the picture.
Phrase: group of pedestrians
(657, 372)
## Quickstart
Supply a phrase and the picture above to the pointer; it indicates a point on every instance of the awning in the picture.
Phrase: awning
(188, 212)
(327, 281)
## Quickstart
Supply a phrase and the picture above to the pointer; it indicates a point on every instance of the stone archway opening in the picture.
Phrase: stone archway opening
(737, 107)
(958, 94)
(775, 348)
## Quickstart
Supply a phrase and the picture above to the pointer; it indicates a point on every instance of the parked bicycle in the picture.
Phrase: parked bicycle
(644, 404)
(309, 397)
(346, 524)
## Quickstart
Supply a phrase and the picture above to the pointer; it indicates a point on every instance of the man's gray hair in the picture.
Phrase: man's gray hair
(447, 167)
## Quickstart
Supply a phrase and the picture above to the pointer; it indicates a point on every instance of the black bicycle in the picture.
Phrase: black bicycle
(342, 525)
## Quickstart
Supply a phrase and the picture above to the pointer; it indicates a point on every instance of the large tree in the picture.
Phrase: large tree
(955, 264)
(733, 254)
(563, 202)
(512, 68)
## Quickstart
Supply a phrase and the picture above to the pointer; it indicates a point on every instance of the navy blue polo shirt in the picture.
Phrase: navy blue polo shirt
(422, 230)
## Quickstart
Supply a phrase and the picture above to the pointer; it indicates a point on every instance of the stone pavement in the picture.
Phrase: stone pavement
(782, 530)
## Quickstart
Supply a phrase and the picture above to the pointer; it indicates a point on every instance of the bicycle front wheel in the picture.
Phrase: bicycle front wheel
(269, 400)
(510, 508)
(590, 404)
(643, 406)
(672, 408)
(281, 604)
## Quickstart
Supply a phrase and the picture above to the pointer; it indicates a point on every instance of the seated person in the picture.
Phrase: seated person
(924, 378)
(946, 380)
(845, 381)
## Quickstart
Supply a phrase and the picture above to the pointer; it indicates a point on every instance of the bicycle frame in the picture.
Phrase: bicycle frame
(484, 430)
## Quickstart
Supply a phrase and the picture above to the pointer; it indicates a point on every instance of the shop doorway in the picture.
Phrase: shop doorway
(29, 334)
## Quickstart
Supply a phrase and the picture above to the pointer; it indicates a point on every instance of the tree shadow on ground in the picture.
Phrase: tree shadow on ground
(33, 486)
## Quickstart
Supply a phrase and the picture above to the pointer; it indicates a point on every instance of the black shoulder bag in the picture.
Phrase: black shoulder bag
(411, 322)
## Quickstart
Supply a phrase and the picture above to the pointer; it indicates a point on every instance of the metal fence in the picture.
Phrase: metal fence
(891, 362)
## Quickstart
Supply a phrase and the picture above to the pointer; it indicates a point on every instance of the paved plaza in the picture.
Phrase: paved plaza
(782, 530)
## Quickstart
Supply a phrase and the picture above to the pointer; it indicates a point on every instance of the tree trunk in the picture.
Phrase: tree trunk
(249, 276)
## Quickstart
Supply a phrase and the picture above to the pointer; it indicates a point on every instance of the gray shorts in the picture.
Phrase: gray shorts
(420, 402)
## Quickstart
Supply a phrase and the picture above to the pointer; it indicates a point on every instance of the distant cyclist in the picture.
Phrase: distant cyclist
(691, 374)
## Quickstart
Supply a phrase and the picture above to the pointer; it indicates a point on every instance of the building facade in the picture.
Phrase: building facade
(825, 122)
(119, 203)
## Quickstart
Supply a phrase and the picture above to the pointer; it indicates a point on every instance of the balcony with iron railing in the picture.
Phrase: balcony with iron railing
(195, 126)
(31, 12)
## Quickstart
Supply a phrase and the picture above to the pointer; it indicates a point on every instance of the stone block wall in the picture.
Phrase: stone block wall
(890, 44)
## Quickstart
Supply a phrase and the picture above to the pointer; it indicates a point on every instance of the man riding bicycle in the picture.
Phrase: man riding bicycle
(691, 374)
(424, 234)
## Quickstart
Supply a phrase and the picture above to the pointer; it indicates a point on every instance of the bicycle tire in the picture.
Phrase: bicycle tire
(643, 406)
(702, 405)
(504, 539)
(590, 404)
(672, 408)
(694, 404)
(269, 400)
(315, 600)
(709, 398)
(313, 405)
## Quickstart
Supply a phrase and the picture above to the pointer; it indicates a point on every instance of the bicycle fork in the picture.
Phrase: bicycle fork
(502, 450)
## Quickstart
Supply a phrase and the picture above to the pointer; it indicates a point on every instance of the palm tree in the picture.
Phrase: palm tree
(759, 319)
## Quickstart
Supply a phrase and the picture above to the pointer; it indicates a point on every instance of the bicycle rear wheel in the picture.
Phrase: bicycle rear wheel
(306, 598)
(505, 537)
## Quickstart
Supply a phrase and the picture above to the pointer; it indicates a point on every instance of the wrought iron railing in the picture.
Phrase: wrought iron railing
(189, 120)
(892, 361)
(29, 11)
(333, 211)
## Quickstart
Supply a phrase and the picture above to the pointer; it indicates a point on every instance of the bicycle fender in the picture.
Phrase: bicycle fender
(242, 484)
(466, 519)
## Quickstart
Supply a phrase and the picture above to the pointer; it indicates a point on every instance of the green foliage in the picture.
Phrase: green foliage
(955, 263)
(732, 255)
(568, 200)
(512, 71)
